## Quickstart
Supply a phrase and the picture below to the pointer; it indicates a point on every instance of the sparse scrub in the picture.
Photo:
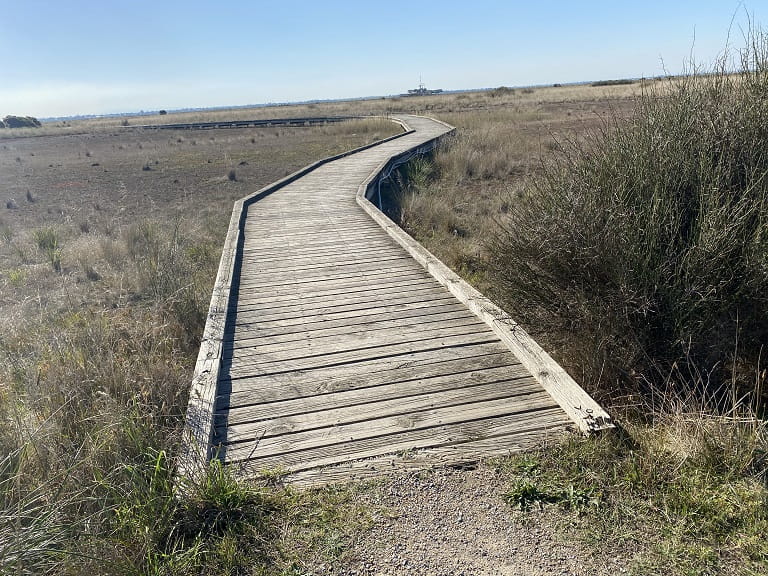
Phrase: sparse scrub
(171, 270)
(453, 207)
(6, 232)
(501, 91)
(17, 277)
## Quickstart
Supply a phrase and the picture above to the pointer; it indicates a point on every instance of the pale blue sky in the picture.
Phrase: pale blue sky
(70, 57)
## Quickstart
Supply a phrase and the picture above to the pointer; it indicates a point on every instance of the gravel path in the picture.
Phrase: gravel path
(455, 522)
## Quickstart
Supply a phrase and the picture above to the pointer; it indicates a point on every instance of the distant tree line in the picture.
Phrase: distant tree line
(19, 122)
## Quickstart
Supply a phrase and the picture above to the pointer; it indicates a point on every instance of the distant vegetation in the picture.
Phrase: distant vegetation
(20, 122)
(619, 82)
(501, 91)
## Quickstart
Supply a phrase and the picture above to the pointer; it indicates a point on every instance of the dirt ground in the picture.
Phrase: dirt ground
(125, 174)
(455, 522)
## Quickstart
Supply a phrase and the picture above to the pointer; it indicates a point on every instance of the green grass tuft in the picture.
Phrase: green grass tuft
(686, 496)
(48, 242)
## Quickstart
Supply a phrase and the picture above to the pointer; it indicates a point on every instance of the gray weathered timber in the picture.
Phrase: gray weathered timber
(335, 342)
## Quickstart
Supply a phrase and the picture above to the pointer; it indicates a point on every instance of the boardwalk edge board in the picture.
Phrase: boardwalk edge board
(587, 414)
(290, 122)
(196, 442)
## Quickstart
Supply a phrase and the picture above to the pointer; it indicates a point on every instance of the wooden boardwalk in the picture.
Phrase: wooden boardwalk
(338, 347)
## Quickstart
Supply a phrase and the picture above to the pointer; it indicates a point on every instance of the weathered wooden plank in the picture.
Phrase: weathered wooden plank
(367, 373)
(354, 340)
(339, 317)
(407, 412)
(275, 246)
(254, 366)
(351, 319)
(450, 431)
(391, 275)
(507, 381)
(334, 314)
(371, 273)
(461, 455)
(289, 267)
(349, 268)
(327, 253)
(359, 301)
(260, 356)
(351, 327)
(277, 296)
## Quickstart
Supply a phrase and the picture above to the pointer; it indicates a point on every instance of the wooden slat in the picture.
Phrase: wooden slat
(390, 369)
(426, 318)
(299, 359)
(348, 312)
(462, 454)
(387, 417)
(268, 455)
(256, 327)
(276, 297)
(349, 301)
(372, 273)
(332, 409)
(354, 340)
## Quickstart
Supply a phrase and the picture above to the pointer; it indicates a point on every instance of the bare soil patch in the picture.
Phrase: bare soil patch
(452, 522)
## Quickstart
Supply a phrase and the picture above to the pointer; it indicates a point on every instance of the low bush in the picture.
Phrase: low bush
(21, 122)
(644, 250)
(619, 82)
(48, 242)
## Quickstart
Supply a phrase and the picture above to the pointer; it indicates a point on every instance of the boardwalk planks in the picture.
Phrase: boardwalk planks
(339, 342)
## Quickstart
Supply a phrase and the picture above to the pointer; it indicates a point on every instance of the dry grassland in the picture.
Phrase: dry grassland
(109, 241)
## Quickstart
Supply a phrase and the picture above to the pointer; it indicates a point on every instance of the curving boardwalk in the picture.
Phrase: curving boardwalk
(340, 347)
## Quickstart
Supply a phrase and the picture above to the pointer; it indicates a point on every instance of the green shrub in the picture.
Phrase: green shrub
(645, 248)
(21, 122)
